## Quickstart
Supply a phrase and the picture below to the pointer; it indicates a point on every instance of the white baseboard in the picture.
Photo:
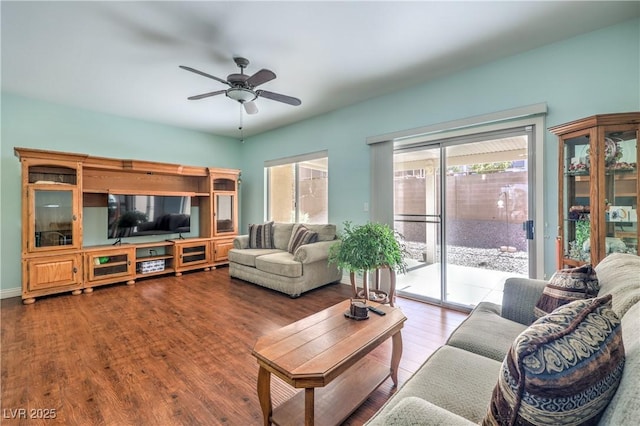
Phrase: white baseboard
(10, 292)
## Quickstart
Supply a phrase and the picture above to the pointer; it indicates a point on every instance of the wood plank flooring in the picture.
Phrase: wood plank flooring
(169, 351)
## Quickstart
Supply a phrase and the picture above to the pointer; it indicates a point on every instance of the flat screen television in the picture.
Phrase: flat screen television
(142, 215)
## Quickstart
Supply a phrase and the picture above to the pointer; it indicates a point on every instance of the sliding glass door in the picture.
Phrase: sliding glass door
(462, 206)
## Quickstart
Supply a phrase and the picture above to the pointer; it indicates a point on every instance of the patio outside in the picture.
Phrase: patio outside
(485, 209)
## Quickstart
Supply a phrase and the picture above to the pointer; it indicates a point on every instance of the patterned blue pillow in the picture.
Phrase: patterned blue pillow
(562, 370)
(565, 286)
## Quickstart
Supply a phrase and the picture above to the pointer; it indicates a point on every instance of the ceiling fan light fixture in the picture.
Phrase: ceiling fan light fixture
(242, 87)
(241, 94)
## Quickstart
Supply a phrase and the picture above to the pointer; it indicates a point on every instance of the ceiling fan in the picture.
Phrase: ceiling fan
(242, 87)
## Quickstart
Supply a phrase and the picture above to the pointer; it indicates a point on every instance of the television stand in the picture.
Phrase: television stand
(67, 265)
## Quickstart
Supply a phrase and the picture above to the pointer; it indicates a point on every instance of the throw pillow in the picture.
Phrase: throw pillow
(562, 370)
(301, 236)
(261, 236)
(565, 286)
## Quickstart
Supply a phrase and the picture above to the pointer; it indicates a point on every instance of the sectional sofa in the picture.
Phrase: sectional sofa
(457, 385)
(267, 257)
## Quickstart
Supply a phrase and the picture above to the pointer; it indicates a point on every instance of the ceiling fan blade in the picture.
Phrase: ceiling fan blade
(206, 95)
(261, 77)
(250, 107)
(278, 97)
(204, 74)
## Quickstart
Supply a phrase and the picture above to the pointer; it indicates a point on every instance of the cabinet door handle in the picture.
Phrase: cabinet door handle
(75, 217)
(128, 263)
(75, 270)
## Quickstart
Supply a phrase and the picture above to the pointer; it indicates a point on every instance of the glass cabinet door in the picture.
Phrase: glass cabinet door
(621, 191)
(576, 199)
(54, 218)
(224, 215)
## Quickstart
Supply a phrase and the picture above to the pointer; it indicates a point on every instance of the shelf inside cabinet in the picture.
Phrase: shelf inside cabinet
(154, 258)
(222, 184)
(43, 174)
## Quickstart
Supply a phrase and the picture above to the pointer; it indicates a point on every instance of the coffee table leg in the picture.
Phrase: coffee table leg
(309, 404)
(264, 394)
(396, 353)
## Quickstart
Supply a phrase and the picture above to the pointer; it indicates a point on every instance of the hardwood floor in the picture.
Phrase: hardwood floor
(170, 351)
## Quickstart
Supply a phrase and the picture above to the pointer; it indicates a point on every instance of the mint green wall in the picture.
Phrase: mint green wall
(595, 73)
(35, 124)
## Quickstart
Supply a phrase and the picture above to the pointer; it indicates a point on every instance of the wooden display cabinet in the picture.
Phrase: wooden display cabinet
(108, 265)
(599, 188)
(52, 223)
(224, 217)
(57, 185)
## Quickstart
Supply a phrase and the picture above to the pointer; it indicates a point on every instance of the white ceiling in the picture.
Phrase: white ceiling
(122, 57)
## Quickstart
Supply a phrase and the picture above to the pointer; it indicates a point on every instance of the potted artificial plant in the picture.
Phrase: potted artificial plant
(366, 248)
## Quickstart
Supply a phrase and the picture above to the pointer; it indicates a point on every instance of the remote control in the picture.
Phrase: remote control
(377, 311)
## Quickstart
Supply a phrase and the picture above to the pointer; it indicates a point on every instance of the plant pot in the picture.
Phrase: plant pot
(375, 294)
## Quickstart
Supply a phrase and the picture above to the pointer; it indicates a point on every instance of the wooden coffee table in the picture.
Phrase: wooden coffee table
(327, 351)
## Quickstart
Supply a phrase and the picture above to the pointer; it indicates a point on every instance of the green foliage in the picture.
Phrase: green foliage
(368, 247)
(583, 232)
(491, 167)
(481, 168)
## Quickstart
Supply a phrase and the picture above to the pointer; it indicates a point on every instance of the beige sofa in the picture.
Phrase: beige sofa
(454, 386)
(290, 273)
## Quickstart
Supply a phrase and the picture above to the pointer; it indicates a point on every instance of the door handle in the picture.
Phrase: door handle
(529, 228)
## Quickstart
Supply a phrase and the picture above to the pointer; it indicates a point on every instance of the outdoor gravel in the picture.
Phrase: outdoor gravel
(493, 258)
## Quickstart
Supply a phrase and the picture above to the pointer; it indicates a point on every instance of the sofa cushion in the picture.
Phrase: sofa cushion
(300, 236)
(282, 235)
(563, 369)
(248, 256)
(261, 236)
(452, 378)
(567, 285)
(279, 263)
(486, 333)
(619, 275)
(624, 408)
(414, 411)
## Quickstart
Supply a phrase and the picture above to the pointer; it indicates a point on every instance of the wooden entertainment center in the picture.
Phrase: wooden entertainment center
(56, 186)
